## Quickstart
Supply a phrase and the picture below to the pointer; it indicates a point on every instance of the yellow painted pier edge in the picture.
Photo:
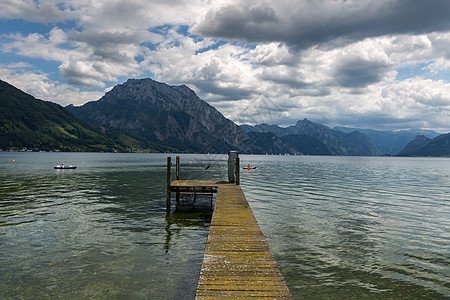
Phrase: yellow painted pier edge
(237, 262)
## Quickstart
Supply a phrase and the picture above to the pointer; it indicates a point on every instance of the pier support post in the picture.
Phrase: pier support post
(178, 175)
(238, 175)
(169, 176)
(232, 155)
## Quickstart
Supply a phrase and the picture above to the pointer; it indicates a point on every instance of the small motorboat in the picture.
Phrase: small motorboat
(64, 167)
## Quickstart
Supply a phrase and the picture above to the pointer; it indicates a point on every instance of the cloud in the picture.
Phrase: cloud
(221, 73)
(109, 41)
(86, 59)
(36, 11)
(273, 54)
(132, 15)
(101, 39)
(427, 94)
(36, 45)
(355, 72)
(301, 24)
(227, 21)
(38, 84)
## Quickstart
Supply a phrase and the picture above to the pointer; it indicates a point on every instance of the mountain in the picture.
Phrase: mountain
(305, 144)
(271, 143)
(337, 143)
(419, 142)
(167, 115)
(423, 146)
(277, 130)
(391, 142)
(36, 124)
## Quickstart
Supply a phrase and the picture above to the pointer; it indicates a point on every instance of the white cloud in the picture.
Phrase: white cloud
(36, 45)
(43, 11)
(38, 84)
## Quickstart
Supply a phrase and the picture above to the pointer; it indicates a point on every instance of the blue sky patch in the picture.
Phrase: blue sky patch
(421, 70)
(410, 71)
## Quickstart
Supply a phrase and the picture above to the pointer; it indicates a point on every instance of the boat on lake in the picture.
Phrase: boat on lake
(64, 167)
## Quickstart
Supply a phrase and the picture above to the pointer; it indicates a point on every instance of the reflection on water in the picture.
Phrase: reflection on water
(339, 227)
(178, 220)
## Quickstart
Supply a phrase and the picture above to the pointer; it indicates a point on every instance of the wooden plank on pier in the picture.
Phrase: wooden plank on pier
(237, 262)
(195, 186)
(198, 183)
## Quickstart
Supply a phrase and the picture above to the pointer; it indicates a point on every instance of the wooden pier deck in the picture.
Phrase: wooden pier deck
(188, 185)
(237, 262)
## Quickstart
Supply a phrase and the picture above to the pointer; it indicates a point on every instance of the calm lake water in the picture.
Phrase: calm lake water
(339, 227)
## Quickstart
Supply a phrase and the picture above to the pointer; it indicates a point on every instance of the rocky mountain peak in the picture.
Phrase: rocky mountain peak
(148, 90)
(173, 115)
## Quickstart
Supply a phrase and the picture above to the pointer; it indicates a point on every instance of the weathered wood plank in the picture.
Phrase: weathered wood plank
(237, 262)
(198, 183)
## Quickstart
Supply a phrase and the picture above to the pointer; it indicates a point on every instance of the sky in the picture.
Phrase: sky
(381, 64)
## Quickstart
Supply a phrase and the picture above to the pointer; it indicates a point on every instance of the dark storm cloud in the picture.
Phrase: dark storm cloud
(231, 22)
(75, 74)
(301, 24)
(105, 39)
(355, 72)
(221, 92)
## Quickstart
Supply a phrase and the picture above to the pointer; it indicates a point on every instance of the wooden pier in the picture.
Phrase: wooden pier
(237, 262)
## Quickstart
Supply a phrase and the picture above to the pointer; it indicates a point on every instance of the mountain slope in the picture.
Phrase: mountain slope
(28, 122)
(305, 144)
(270, 143)
(419, 142)
(423, 146)
(170, 115)
(353, 143)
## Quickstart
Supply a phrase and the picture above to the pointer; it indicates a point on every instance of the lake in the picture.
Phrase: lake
(339, 227)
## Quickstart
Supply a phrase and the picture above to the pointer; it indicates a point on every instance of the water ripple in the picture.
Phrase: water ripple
(378, 227)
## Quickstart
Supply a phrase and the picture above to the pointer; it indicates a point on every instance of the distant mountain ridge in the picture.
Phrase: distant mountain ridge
(163, 114)
(391, 142)
(329, 141)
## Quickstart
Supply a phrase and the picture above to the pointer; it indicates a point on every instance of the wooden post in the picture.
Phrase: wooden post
(178, 168)
(232, 155)
(169, 176)
(238, 177)
(178, 175)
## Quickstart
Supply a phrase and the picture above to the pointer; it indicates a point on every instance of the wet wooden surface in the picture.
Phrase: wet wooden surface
(237, 263)
(198, 183)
